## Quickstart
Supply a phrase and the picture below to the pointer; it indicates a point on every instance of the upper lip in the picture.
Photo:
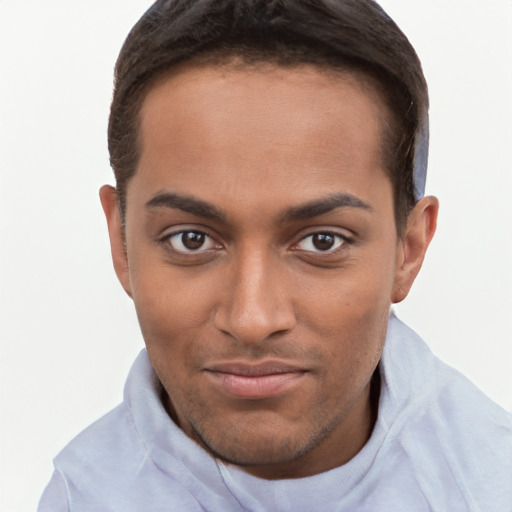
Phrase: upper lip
(255, 369)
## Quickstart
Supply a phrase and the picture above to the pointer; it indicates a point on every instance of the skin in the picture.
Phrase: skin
(264, 162)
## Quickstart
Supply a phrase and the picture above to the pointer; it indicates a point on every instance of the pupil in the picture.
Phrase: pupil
(192, 240)
(323, 241)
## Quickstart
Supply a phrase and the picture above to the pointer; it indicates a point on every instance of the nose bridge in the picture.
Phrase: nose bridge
(256, 305)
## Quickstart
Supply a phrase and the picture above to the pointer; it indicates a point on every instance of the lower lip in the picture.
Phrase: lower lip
(264, 386)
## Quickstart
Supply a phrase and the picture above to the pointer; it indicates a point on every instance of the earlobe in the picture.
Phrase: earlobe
(421, 226)
(108, 197)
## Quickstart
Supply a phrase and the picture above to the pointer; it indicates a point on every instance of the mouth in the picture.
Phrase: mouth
(259, 381)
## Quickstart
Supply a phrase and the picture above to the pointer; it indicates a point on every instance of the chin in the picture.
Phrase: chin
(260, 443)
(260, 452)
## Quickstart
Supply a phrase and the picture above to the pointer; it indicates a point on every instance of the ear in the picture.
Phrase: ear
(421, 226)
(108, 197)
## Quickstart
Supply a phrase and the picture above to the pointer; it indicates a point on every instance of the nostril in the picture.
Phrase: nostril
(254, 325)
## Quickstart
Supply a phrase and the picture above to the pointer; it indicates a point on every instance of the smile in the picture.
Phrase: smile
(255, 382)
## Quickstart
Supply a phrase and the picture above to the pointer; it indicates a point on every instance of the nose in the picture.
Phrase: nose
(256, 304)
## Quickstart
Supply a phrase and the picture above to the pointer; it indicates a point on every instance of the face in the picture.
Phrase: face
(262, 257)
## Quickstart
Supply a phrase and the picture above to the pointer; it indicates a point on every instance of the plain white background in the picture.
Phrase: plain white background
(68, 334)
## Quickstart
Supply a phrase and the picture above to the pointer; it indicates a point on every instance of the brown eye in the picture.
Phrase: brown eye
(191, 242)
(321, 242)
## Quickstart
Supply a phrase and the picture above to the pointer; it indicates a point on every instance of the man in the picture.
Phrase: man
(270, 161)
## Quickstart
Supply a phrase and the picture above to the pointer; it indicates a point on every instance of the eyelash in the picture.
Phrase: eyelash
(167, 239)
(340, 241)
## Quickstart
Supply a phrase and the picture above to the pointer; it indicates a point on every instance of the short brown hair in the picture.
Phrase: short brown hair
(345, 35)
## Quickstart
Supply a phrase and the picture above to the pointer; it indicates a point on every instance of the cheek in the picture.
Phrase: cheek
(172, 309)
(172, 322)
(348, 314)
(348, 298)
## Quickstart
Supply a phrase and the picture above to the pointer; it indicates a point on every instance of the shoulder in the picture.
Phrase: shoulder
(108, 467)
(455, 439)
(110, 441)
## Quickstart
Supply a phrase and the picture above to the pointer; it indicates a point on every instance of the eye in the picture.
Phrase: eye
(190, 242)
(321, 242)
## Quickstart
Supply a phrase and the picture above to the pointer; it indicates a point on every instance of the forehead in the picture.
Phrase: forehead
(262, 90)
(240, 127)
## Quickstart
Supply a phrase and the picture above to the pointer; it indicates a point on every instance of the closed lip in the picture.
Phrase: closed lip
(255, 381)
(255, 370)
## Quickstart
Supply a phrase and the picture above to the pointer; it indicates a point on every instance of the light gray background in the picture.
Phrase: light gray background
(68, 334)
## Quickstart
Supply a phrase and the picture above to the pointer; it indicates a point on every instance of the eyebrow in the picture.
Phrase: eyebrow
(325, 205)
(208, 211)
(186, 204)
